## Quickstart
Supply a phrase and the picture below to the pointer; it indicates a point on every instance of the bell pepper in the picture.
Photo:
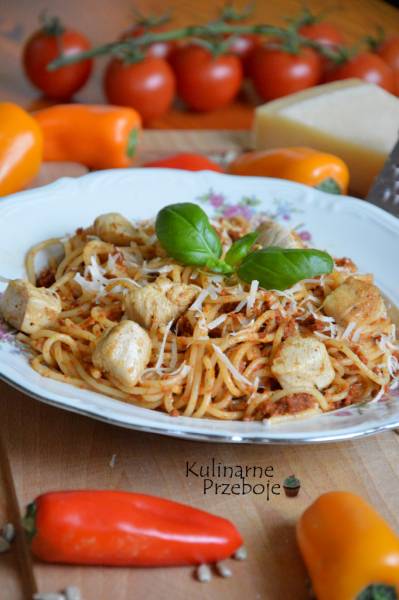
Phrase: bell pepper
(187, 162)
(350, 552)
(304, 165)
(100, 137)
(125, 529)
(21, 148)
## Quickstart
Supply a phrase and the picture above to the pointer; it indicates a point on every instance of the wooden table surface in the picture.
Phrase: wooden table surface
(43, 448)
(51, 449)
(102, 21)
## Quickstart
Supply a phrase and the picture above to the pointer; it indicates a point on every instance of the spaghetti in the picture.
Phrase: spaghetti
(215, 360)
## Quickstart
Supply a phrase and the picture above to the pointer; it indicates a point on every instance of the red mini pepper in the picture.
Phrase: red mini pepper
(125, 529)
(187, 162)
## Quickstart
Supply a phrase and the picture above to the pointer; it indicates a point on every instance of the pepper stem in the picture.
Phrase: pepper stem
(29, 521)
(378, 591)
(132, 142)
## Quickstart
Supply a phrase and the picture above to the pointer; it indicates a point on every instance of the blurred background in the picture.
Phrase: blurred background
(102, 21)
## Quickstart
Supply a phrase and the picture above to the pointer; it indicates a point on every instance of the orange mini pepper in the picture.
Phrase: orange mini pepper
(348, 549)
(21, 147)
(304, 165)
(100, 137)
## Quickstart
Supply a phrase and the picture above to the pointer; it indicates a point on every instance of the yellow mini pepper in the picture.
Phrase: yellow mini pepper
(304, 165)
(21, 147)
(348, 548)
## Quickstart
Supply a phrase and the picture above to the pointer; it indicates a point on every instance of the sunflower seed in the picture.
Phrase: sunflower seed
(72, 593)
(241, 553)
(8, 532)
(204, 574)
(4, 545)
(223, 569)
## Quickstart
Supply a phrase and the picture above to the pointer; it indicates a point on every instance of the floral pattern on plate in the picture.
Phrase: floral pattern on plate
(247, 205)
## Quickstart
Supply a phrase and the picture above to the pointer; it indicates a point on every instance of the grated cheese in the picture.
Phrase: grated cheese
(98, 281)
(252, 294)
(357, 333)
(216, 322)
(227, 362)
(240, 305)
(202, 296)
(346, 334)
(159, 362)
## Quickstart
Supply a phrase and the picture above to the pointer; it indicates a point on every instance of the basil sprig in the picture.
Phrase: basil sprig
(186, 234)
(240, 248)
(280, 268)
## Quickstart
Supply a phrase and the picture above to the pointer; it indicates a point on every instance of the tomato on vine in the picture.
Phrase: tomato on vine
(243, 46)
(326, 34)
(389, 52)
(366, 66)
(147, 85)
(276, 72)
(161, 49)
(206, 82)
(47, 44)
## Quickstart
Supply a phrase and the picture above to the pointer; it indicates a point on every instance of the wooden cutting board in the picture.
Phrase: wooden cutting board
(43, 448)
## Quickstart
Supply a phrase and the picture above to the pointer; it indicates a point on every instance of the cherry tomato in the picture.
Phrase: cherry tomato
(205, 82)
(276, 73)
(324, 33)
(42, 48)
(157, 49)
(389, 52)
(366, 66)
(243, 46)
(147, 86)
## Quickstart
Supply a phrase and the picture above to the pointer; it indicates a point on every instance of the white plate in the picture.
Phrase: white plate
(343, 226)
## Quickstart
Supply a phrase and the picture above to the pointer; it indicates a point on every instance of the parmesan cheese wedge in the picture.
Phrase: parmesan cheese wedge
(357, 121)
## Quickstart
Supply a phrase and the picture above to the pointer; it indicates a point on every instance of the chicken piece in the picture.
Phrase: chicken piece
(355, 300)
(114, 228)
(159, 302)
(122, 353)
(302, 362)
(274, 234)
(28, 308)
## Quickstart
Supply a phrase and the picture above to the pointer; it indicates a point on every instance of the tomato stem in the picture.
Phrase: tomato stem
(192, 31)
(51, 25)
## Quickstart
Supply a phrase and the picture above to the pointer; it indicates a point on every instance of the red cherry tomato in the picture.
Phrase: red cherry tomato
(243, 46)
(366, 66)
(389, 52)
(42, 48)
(276, 73)
(157, 49)
(205, 82)
(324, 33)
(147, 86)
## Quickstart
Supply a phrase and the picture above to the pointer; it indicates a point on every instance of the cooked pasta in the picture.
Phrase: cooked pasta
(230, 351)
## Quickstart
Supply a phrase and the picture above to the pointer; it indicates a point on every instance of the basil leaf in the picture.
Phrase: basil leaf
(329, 185)
(240, 248)
(186, 234)
(280, 268)
(378, 592)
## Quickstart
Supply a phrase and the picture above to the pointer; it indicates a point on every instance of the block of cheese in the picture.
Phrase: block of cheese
(357, 121)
